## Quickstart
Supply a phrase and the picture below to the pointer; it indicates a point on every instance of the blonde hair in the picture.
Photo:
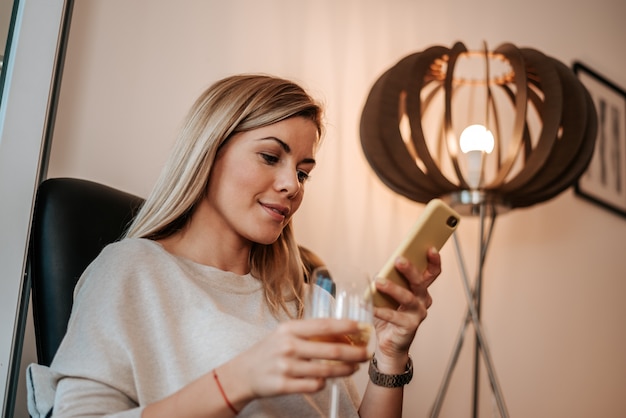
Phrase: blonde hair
(234, 104)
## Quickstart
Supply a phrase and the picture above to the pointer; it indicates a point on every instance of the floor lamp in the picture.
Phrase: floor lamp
(489, 131)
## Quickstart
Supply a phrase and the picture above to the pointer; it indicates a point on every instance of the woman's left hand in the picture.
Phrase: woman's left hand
(395, 329)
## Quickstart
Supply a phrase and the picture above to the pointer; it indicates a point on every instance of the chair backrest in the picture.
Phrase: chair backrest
(73, 221)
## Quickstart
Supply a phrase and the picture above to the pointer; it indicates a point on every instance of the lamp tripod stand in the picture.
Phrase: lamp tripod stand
(475, 203)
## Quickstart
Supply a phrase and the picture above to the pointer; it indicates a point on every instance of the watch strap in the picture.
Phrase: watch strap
(390, 380)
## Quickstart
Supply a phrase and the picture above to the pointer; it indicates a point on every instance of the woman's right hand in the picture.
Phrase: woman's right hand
(283, 362)
(287, 361)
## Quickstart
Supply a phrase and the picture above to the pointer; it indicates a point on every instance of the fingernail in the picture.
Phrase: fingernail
(433, 250)
(401, 261)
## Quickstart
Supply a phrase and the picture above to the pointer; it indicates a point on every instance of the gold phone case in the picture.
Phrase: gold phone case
(432, 229)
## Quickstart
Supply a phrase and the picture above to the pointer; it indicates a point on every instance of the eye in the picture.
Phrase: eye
(269, 158)
(302, 176)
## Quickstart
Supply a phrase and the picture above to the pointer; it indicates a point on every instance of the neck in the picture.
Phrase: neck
(209, 250)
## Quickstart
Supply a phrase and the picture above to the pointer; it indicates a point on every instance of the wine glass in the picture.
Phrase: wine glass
(344, 293)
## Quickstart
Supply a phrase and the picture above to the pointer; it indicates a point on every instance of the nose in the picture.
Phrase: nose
(288, 182)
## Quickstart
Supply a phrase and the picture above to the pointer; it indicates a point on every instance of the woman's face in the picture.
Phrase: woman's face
(257, 180)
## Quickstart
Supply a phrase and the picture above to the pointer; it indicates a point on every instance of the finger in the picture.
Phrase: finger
(311, 376)
(311, 328)
(433, 269)
(405, 322)
(399, 293)
(341, 351)
(410, 304)
(302, 385)
(414, 276)
(401, 319)
(323, 339)
(299, 368)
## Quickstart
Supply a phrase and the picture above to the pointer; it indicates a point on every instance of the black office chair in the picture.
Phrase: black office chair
(73, 221)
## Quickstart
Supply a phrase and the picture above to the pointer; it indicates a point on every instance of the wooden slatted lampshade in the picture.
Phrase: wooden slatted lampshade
(541, 117)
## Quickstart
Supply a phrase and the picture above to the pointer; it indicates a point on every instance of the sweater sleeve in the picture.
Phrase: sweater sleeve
(94, 360)
(77, 397)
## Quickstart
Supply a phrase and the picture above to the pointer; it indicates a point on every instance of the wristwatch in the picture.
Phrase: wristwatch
(390, 380)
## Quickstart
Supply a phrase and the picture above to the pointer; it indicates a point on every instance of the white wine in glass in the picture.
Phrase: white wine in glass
(341, 292)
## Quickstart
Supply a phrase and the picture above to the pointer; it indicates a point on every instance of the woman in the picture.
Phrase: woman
(198, 311)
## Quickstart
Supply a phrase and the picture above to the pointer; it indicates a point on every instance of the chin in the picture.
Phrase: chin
(265, 239)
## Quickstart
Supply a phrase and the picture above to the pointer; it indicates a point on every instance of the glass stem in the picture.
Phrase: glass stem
(334, 399)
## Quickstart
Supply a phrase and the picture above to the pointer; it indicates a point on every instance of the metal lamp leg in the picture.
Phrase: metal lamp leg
(473, 315)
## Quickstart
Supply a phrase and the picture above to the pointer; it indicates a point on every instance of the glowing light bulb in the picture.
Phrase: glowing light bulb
(475, 141)
(476, 138)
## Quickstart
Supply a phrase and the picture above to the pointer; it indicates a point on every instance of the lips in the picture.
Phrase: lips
(279, 212)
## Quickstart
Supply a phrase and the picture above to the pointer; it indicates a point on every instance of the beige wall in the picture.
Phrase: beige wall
(553, 310)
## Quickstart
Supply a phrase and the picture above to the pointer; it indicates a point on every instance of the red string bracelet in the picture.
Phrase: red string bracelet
(219, 386)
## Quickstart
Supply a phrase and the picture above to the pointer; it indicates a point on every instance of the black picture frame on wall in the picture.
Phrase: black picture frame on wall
(604, 181)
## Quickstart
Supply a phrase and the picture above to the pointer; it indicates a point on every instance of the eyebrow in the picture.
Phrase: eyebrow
(287, 149)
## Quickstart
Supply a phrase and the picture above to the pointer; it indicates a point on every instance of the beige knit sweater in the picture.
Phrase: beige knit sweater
(144, 324)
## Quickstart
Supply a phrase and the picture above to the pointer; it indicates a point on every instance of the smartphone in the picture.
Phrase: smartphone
(432, 229)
